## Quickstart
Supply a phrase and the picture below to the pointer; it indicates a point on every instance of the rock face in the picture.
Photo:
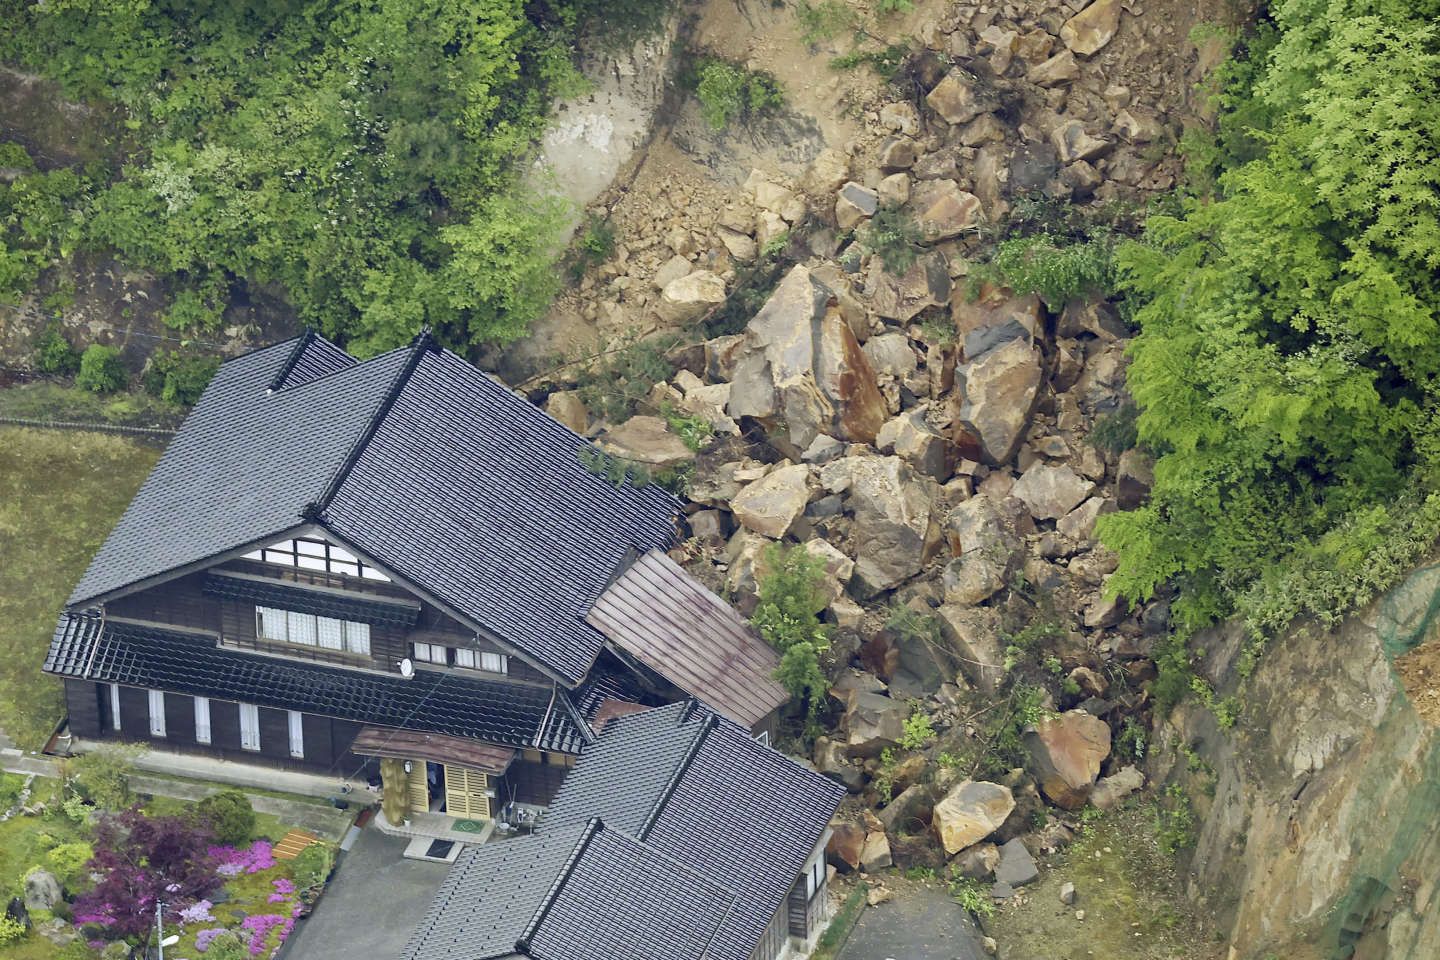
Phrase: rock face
(801, 364)
(770, 505)
(1091, 29)
(969, 813)
(1065, 755)
(1001, 390)
(1335, 868)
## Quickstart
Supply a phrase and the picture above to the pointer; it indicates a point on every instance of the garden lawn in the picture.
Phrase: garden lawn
(60, 493)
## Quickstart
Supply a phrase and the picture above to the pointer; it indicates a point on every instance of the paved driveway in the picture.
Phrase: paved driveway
(371, 907)
(919, 923)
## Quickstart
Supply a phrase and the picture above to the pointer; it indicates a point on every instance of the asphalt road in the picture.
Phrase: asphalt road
(918, 923)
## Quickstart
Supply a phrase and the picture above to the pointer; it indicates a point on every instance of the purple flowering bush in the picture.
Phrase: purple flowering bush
(252, 859)
(198, 912)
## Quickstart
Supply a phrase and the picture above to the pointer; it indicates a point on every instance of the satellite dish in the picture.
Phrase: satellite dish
(407, 669)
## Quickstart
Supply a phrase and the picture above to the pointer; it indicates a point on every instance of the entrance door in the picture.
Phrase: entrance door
(466, 793)
(418, 787)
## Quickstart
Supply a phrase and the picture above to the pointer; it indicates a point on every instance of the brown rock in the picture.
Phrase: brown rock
(969, 813)
(897, 153)
(876, 854)
(690, 297)
(1134, 477)
(567, 407)
(958, 98)
(872, 723)
(978, 862)
(1059, 69)
(910, 811)
(854, 203)
(994, 317)
(925, 284)
(1065, 754)
(943, 210)
(846, 844)
(1091, 29)
(648, 440)
(772, 504)
(974, 632)
(1050, 492)
(1000, 392)
(1110, 791)
(1072, 143)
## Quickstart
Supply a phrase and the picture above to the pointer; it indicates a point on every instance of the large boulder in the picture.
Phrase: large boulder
(1134, 476)
(566, 407)
(1111, 791)
(974, 634)
(1000, 392)
(872, 722)
(1091, 29)
(925, 284)
(855, 203)
(1065, 753)
(802, 367)
(969, 813)
(1016, 866)
(875, 855)
(690, 297)
(910, 436)
(1059, 69)
(892, 518)
(890, 354)
(994, 318)
(910, 811)
(41, 891)
(942, 210)
(770, 505)
(1050, 492)
(648, 440)
(1073, 142)
(958, 98)
(846, 844)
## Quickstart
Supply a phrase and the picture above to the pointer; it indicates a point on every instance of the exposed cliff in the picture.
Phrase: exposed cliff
(1316, 814)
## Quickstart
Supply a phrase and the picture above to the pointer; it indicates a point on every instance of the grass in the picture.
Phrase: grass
(1128, 888)
(25, 840)
(53, 401)
(846, 917)
(60, 493)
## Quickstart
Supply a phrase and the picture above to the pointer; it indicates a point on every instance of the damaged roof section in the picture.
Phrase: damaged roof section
(667, 620)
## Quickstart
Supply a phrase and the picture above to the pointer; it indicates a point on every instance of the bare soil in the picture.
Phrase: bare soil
(1419, 672)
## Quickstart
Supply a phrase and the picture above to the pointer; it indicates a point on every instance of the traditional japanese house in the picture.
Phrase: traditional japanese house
(337, 562)
(677, 837)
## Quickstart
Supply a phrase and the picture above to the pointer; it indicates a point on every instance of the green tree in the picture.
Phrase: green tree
(1286, 368)
(101, 370)
(792, 596)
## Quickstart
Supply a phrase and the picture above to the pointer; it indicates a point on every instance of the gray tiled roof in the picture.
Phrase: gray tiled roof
(737, 811)
(584, 893)
(415, 457)
(693, 792)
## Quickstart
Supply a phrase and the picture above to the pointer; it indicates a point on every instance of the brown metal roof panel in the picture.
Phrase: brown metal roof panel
(669, 621)
(417, 745)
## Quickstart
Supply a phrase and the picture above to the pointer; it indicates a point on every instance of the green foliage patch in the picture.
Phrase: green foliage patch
(1286, 370)
(101, 370)
(230, 816)
(363, 157)
(792, 597)
(893, 236)
(1056, 268)
(728, 92)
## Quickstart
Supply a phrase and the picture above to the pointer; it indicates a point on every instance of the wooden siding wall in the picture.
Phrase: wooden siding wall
(529, 782)
(183, 603)
(327, 741)
(82, 704)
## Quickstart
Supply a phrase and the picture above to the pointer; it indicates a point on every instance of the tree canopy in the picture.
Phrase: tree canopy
(359, 154)
(1286, 365)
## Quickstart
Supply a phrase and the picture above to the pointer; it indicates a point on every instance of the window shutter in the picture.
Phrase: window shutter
(157, 713)
(249, 726)
(202, 719)
(332, 633)
(357, 637)
(302, 627)
(297, 734)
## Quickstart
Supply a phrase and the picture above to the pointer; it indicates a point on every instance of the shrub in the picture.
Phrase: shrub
(68, 861)
(1055, 268)
(224, 945)
(102, 776)
(1174, 820)
(101, 370)
(56, 354)
(179, 378)
(595, 243)
(312, 865)
(694, 430)
(973, 895)
(919, 731)
(11, 931)
(892, 236)
(230, 816)
(614, 388)
(788, 617)
(729, 92)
